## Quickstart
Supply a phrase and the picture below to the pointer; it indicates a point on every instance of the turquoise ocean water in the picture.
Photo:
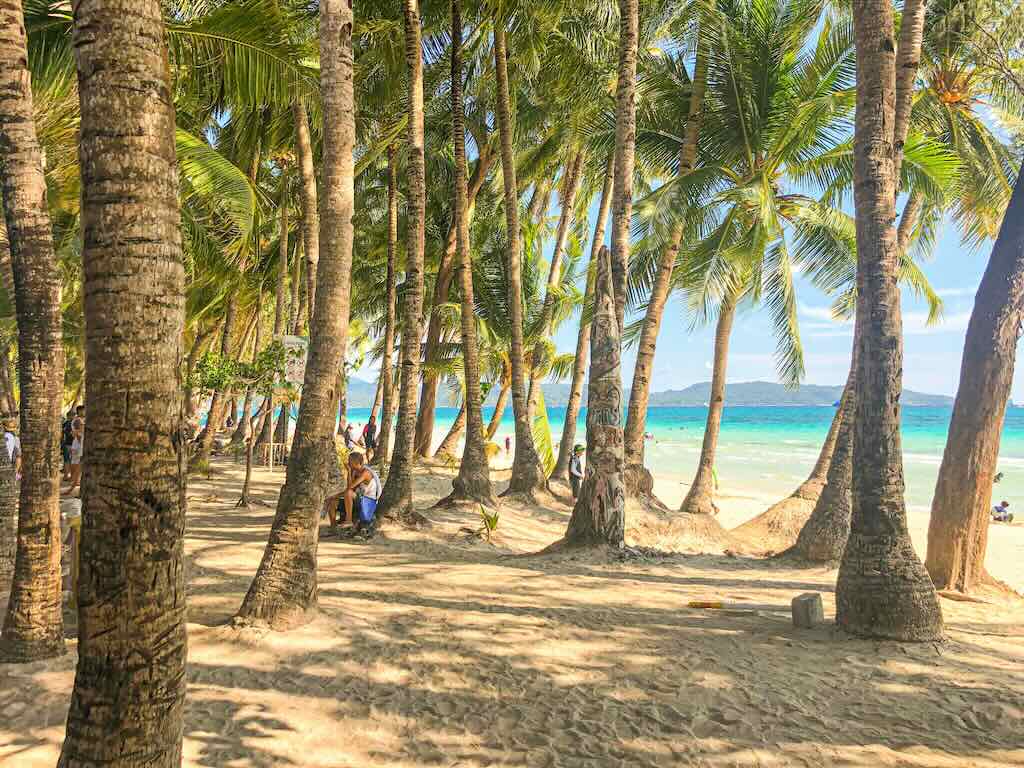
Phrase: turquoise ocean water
(770, 450)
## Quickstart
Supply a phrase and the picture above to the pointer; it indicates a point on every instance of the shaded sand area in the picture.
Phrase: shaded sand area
(433, 648)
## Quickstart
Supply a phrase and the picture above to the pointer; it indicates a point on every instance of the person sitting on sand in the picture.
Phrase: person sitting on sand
(1001, 513)
(362, 492)
(576, 470)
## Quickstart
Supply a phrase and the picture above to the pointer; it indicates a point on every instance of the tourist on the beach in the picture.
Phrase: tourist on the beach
(576, 470)
(508, 445)
(370, 434)
(13, 444)
(1001, 512)
(77, 447)
(350, 441)
(359, 499)
(67, 437)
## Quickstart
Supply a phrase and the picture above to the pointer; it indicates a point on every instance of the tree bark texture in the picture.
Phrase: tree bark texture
(473, 483)
(958, 530)
(625, 150)
(129, 694)
(579, 365)
(570, 189)
(700, 499)
(598, 517)
(8, 522)
(387, 383)
(396, 498)
(883, 589)
(33, 627)
(528, 475)
(639, 480)
(284, 591)
(310, 214)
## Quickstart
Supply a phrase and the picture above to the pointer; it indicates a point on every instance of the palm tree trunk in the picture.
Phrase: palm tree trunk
(295, 305)
(700, 500)
(281, 319)
(958, 530)
(442, 286)
(451, 440)
(310, 215)
(243, 432)
(215, 418)
(499, 410)
(527, 473)
(570, 188)
(129, 694)
(598, 517)
(386, 370)
(33, 627)
(579, 366)
(190, 365)
(396, 498)
(473, 483)
(883, 589)
(639, 480)
(284, 591)
(377, 397)
(8, 522)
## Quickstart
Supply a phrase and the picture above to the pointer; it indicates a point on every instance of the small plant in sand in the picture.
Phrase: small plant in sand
(490, 523)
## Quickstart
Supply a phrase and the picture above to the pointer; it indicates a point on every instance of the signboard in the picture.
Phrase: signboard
(296, 349)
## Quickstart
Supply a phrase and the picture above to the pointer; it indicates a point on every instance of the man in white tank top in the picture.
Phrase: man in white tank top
(360, 496)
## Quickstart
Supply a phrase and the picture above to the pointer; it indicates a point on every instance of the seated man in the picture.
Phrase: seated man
(361, 493)
(1001, 513)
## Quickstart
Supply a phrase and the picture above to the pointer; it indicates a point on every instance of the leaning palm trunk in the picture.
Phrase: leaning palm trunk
(387, 385)
(396, 498)
(284, 591)
(473, 482)
(700, 500)
(883, 589)
(451, 441)
(570, 188)
(310, 216)
(528, 476)
(958, 531)
(598, 518)
(33, 627)
(579, 364)
(499, 410)
(639, 480)
(128, 701)
(215, 417)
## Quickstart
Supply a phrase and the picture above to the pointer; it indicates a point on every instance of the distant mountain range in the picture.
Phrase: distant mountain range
(750, 393)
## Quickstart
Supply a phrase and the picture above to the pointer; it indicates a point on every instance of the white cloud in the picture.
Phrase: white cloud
(916, 323)
(817, 313)
(948, 293)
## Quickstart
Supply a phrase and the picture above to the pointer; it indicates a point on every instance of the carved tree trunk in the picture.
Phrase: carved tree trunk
(33, 627)
(396, 498)
(958, 531)
(284, 591)
(387, 384)
(883, 589)
(129, 694)
(527, 473)
(599, 515)
(579, 365)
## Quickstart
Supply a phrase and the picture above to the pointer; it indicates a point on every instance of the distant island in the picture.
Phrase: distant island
(749, 393)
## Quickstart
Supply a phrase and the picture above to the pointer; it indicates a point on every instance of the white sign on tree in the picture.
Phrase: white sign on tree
(296, 350)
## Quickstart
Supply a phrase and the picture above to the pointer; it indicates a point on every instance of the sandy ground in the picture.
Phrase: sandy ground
(436, 649)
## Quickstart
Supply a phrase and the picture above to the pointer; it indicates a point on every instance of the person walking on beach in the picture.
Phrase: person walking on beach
(77, 447)
(576, 470)
(67, 437)
(370, 436)
(12, 444)
(508, 445)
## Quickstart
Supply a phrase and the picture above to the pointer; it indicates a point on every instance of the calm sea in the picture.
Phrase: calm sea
(771, 450)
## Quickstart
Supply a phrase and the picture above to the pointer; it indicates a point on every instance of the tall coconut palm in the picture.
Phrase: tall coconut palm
(284, 588)
(310, 215)
(131, 591)
(396, 498)
(387, 384)
(528, 476)
(598, 518)
(883, 589)
(33, 627)
(473, 481)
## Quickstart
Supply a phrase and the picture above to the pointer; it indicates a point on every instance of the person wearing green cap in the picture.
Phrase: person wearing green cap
(576, 470)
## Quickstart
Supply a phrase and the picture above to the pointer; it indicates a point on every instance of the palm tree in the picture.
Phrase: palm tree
(598, 518)
(284, 588)
(33, 626)
(528, 476)
(310, 216)
(396, 498)
(131, 586)
(391, 299)
(883, 589)
(473, 481)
